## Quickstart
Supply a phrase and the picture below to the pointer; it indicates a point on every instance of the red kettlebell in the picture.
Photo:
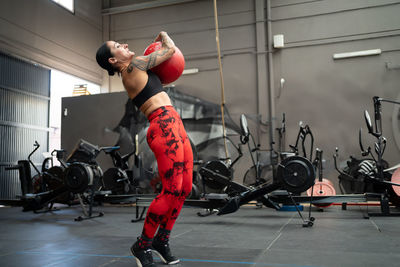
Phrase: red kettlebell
(171, 69)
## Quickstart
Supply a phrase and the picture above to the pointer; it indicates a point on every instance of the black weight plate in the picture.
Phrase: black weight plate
(296, 174)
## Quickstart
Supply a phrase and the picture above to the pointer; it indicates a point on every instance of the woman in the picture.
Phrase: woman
(166, 137)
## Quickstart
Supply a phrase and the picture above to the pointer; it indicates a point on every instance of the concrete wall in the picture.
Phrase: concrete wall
(44, 32)
(191, 25)
(329, 95)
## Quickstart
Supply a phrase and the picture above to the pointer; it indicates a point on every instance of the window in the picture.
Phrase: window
(68, 4)
(63, 85)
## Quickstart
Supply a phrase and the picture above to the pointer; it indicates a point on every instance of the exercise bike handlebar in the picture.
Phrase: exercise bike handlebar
(37, 146)
(335, 156)
(109, 149)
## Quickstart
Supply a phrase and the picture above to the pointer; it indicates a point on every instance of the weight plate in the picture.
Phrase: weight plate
(396, 179)
(394, 191)
(296, 174)
(324, 188)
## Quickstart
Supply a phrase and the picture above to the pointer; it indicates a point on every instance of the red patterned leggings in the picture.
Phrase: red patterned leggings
(170, 144)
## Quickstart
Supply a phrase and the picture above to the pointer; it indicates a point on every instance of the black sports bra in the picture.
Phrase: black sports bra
(152, 87)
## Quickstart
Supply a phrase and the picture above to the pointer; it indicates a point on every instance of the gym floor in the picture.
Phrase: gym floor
(249, 237)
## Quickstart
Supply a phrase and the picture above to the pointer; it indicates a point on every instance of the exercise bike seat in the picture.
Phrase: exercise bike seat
(215, 196)
(109, 149)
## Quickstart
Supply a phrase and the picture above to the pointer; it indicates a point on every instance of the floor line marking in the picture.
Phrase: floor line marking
(183, 259)
(175, 236)
(283, 226)
(273, 241)
(109, 262)
(270, 245)
(374, 224)
(61, 261)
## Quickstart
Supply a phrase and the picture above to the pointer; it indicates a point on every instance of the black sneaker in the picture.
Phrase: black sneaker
(164, 252)
(143, 257)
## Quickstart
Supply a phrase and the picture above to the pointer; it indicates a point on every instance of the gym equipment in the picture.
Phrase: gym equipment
(119, 179)
(295, 174)
(302, 135)
(79, 177)
(322, 186)
(261, 171)
(39, 193)
(396, 179)
(171, 69)
(217, 175)
(371, 174)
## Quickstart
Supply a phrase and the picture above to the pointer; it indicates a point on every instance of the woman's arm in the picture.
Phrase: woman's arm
(157, 57)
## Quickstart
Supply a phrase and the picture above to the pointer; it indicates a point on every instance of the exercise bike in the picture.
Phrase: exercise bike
(43, 190)
(370, 173)
(218, 175)
(294, 175)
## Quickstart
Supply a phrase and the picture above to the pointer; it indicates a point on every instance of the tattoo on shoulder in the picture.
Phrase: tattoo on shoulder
(146, 62)
(130, 68)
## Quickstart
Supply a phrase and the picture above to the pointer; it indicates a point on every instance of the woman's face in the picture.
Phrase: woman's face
(121, 52)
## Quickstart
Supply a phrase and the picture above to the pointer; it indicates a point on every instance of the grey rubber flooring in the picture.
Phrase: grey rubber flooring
(249, 237)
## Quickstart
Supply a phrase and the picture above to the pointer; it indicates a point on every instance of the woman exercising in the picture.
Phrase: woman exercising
(166, 137)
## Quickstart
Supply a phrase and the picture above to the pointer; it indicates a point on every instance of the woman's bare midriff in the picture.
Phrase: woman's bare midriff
(159, 100)
(138, 79)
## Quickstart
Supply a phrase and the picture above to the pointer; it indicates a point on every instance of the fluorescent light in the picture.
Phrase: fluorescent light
(190, 71)
(357, 54)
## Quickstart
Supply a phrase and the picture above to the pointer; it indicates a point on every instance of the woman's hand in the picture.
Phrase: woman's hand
(165, 40)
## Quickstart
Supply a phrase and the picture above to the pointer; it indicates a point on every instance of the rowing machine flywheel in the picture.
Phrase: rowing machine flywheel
(218, 167)
(79, 176)
(296, 174)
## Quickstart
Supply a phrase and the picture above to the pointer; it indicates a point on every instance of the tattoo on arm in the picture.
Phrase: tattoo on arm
(166, 40)
(146, 62)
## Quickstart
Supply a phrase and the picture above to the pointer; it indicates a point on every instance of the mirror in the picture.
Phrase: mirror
(368, 122)
(244, 128)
